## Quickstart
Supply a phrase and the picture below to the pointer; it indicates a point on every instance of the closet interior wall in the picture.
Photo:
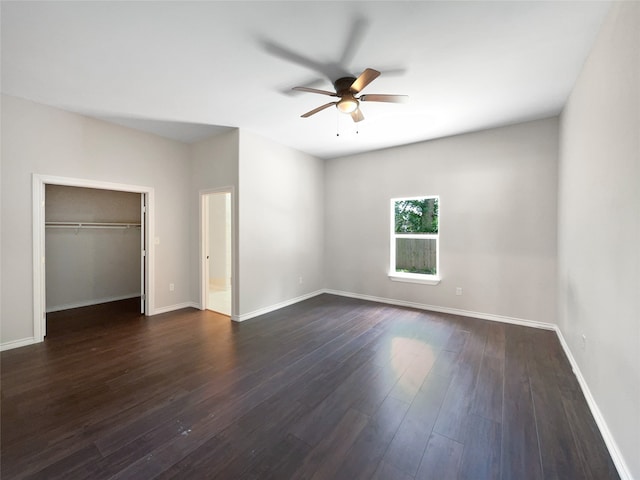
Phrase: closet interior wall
(92, 246)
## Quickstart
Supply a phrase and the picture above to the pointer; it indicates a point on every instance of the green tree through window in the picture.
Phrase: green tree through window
(416, 216)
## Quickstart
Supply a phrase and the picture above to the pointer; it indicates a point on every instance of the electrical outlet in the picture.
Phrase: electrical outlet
(171, 287)
(458, 290)
(300, 280)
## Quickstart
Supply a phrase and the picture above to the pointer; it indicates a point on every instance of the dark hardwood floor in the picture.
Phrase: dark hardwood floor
(330, 388)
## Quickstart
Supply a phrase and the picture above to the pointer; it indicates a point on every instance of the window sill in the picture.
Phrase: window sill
(415, 278)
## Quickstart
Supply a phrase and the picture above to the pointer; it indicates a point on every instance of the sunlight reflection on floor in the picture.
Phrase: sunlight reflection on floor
(411, 360)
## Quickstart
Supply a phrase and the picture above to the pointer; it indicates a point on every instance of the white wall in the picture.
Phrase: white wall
(44, 140)
(87, 266)
(599, 226)
(219, 240)
(497, 220)
(281, 223)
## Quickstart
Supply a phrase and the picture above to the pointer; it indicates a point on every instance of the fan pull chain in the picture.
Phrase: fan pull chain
(340, 118)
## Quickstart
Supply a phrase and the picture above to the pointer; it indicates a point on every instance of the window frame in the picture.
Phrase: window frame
(423, 278)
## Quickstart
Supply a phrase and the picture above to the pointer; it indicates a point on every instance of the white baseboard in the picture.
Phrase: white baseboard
(271, 308)
(453, 311)
(612, 446)
(88, 303)
(177, 306)
(23, 342)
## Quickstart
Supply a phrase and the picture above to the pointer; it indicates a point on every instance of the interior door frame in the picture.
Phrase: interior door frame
(204, 222)
(38, 216)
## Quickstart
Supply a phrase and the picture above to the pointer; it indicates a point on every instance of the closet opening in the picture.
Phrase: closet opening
(91, 252)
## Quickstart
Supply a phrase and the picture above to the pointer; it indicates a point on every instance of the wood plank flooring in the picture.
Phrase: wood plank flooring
(329, 388)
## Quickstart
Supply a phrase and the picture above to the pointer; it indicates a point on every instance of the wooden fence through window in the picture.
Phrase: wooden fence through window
(416, 254)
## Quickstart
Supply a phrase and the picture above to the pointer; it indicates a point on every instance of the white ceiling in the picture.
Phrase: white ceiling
(189, 69)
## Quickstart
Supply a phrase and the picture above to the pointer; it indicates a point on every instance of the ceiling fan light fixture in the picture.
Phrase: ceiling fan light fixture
(346, 90)
(347, 104)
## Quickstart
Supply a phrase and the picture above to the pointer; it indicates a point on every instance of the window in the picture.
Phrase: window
(414, 240)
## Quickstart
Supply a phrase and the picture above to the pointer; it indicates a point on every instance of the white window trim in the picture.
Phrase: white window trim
(415, 278)
(422, 278)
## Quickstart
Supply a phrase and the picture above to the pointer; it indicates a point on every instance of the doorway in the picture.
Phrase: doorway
(145, 224)
(216, 227)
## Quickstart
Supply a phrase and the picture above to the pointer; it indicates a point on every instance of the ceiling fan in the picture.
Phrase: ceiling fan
(347, 89)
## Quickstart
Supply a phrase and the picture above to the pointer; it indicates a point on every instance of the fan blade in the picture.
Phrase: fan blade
(357, 115)
(384, 98)
(359, 26)
(316, 110)
(315, 90)
(365, 78)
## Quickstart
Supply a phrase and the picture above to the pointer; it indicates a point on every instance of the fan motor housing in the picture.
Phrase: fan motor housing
(343, 84)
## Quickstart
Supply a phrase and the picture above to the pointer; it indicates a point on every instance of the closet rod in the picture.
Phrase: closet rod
(79, 225)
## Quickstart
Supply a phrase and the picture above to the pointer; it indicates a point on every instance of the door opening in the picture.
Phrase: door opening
(217, 251)
(94, 246)
(144, 225)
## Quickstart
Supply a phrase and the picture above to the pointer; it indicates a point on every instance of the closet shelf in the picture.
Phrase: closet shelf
(80, 225)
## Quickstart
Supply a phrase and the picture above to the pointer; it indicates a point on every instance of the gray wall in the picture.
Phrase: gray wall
(497, 220)
(48, 141)
(281, 223)
(599, 226)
